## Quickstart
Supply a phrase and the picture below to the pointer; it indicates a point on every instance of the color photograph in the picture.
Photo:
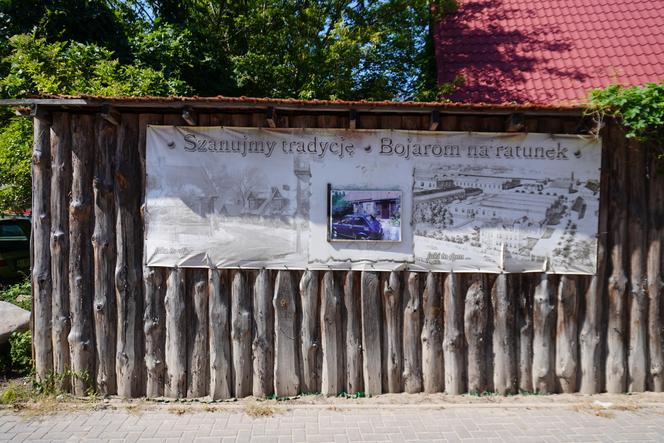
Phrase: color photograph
(364, 215)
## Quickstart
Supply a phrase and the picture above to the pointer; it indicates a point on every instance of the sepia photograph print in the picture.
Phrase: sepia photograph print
(364, 215)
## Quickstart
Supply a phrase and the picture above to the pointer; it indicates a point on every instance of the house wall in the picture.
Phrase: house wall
(233, 333)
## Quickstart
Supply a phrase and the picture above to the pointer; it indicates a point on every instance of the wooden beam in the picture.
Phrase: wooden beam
(515, 123)
(111, 115)
(271, 117)
(435, 120)
(352, 119)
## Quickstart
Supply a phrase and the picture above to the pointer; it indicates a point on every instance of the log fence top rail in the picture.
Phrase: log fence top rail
(251, 103)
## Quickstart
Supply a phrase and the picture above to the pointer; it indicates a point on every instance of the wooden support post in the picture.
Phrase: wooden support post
(263, 345)
(392, 305)
(241, 334)
(412, 328)
(197, 335)
(286, 378)
(432, 336)
(476, 324)
(353, 330)
(543, 337)
(454, 342)
(352, 119)
(176, 339)
(637, 358)
(189, 116)
(567, 358)
(371, 317)
(616, 358)
(60, 191)
(435, 120)
(330, 322)
(154, 318)
(41, 265)
(504, 340)
(219, 334)
(309, 340)
(654, 274)
(525, 328)
(103, 243)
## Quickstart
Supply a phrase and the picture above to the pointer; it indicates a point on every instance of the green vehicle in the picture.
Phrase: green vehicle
(14, 248)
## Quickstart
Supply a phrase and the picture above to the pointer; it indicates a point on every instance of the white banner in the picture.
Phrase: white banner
(371, 199)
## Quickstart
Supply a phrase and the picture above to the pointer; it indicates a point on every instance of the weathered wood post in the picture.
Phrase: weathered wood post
(412, 329)
(197, 335)
(504, 340)
(476, 321)
(432, 336)
(371, 345)
(221, 368)
(41, 265)
(330, 321)
(176, 340)
(567, 358)
(103, 243)
(453, 342)
(525, 328)
(309, 341)
(392, 304)
(59, 245)
(241, 334)
(654, 270)
(286, 377)
(263, 345)
(544, 323)
(153, 328)
(353, 341)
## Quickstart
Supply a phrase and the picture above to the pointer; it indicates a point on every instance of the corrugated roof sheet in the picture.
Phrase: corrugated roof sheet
(549, 52)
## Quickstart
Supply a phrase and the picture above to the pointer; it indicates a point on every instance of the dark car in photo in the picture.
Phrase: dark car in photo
(14, 248)
(357, 227)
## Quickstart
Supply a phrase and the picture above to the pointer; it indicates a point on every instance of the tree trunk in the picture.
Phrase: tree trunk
(219, 333)
(60, 191)
(504, 340)
(412, 328)
(310, 343)
(241, 334)
(476, 322)
(544, 322)
(371, 317)
(176, 339)
(197, 335)
(567, 359)
(453, 344)
(262, 346)
(432, 336)
(330, 317)
(354, 382)
(41, 264)
(286, 379)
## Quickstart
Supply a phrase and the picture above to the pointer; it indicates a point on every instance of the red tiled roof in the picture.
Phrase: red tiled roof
(549, 51)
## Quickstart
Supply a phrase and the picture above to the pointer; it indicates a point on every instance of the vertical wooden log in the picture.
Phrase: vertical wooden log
(176, 339)
(567, 358)
(309, 341)
(504, 340)
(103, 243)
(219, 333)
(286, 379)
(353, 330)
(453, 343)
(330, 317)
(392, 304)
(476, 324)
(263, 346)
(153, 328)
(41, 265)
(637, 358)
(543, 342)
(616, 370)
(525, 327)
(128, 266)
(197, 336)
(371, 315)
(81, 338)
(60, 191)
(590, 335)
(432, 336)
(241, 334)
(654, 270)
(412, 328)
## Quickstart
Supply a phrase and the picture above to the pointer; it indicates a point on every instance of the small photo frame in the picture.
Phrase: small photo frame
(364, 215)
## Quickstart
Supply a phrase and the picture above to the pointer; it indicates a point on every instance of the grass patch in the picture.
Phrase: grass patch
(259, 410)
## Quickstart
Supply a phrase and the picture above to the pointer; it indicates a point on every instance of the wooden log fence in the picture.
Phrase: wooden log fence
(233, 333)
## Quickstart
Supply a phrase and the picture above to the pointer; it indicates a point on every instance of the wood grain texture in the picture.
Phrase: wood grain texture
(221, 383)
(544, 324)
(176, 338)
(330, 324)
(476, 325)
(371, 335)
(263, 344)
(432, 336)
(454, 344)
(309, 332)
(393, 310)
(154, 319)
(286, 377)
(241, 318)
(197, 334)
(412, 329)
(567, 345)
(353, 341)
(504, 338)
